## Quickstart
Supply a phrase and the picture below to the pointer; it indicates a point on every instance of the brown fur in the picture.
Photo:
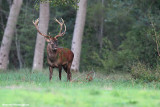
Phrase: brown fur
(61, 57)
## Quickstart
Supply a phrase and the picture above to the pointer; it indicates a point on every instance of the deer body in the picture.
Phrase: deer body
(57, 57)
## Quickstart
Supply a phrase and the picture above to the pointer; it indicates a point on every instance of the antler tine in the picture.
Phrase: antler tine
(36, 25)
(64, 26)
(61, 25)
(35, 22)
(62, 20)
(64, 29)
(57, 21)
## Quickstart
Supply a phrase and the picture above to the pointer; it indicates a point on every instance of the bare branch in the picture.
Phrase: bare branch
(86, 75)
(155, 34)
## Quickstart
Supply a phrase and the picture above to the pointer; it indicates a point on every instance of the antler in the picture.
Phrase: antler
(36, 25)
(61, 25)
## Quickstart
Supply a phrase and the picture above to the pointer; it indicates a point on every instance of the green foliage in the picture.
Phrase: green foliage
(142, 72)
(127, 27)
(104, 59)
(58, 3)
(138, 46)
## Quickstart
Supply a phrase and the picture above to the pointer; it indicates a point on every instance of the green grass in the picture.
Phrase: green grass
(24, 87)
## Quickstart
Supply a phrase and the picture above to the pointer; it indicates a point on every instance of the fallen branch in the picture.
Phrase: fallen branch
(83, 75)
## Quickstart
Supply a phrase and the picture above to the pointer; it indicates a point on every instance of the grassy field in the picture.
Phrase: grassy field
(113, 90)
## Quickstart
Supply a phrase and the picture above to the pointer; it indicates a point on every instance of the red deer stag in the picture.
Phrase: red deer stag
(57, 57)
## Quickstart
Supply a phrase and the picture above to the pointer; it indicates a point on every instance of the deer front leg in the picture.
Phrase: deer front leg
(60, 71)
(51, 72)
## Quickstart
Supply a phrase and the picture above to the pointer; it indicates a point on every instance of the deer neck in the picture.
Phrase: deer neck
(51, 52)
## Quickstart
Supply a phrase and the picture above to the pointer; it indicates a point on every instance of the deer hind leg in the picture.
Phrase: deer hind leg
(51, 72)
(60, 71)
(69, 75)
(65, 68)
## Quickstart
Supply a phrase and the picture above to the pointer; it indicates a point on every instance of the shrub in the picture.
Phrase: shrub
(142, 72)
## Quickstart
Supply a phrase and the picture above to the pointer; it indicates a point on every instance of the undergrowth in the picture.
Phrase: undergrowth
(142, 72)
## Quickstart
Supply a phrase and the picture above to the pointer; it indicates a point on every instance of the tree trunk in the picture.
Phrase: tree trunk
(40, 42)
(9, 33)
(17, 42)
(78, 33)
(101, 28)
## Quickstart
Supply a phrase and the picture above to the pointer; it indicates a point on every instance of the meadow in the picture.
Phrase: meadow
(106, 90)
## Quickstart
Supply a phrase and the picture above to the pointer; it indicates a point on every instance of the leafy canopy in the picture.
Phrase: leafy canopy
(56, 3)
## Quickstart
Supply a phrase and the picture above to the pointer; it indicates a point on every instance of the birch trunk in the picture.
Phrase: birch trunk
(101, 28)
(17, 42)
(9, 33)
(78, 34)
(40, 42)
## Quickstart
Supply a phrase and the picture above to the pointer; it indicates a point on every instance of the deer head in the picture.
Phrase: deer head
(52, 40)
